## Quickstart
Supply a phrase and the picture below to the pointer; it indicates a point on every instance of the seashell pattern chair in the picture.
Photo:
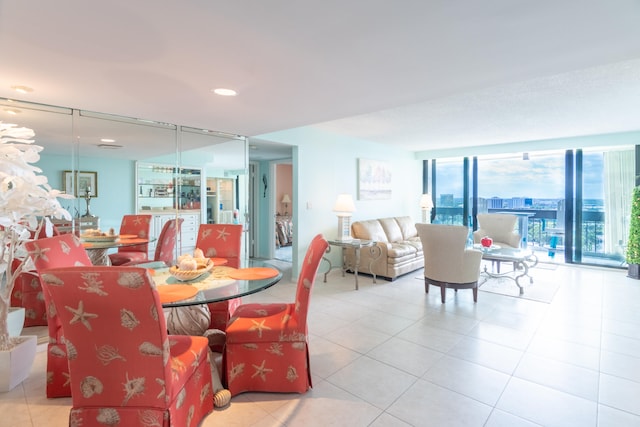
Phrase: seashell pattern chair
(138, 225)
(64, 250)
(166, 246)
(125, 369)
(267, 344)
(221, 241)
(27, 291)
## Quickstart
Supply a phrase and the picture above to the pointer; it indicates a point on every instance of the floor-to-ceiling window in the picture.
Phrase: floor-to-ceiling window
(587, 224)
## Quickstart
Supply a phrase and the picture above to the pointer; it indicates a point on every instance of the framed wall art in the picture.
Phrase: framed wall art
(84, 182)
(374, 180)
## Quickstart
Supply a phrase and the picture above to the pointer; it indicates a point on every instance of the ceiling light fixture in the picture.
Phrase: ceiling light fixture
(22, 89)
(12, 111)
(224, 92)
(107, 140)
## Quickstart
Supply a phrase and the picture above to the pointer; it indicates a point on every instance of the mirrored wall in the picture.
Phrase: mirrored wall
(121, 165)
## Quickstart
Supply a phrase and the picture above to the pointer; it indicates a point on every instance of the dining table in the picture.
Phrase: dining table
(186, 300)
(97, 247)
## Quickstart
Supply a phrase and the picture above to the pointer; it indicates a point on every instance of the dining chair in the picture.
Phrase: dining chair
(27, 291)
(125, 368)
(267, 346)
(448, 263)
(166, 245)
(138, 225)
(65, 250)
(221, 241)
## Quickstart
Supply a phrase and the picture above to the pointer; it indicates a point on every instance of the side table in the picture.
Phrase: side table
(356, 245)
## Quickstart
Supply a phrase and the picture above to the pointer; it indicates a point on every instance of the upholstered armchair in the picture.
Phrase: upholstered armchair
(448, 263)
(500, 227)
(64, 250)
(125, 369)
(138, 225)
(267, 345)
(221, 241)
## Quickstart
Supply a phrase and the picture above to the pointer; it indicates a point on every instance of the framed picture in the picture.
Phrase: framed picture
(374, 180)
(84, 182)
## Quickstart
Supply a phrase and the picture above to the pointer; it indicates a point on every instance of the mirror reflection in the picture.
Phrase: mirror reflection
(118, 166)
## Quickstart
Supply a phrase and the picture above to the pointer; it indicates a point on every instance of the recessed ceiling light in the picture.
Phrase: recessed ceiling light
(107, 140)
(12, 111)
(225, 92)
(22, 89)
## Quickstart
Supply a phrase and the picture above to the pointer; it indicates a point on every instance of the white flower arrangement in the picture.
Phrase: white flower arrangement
(26, 202)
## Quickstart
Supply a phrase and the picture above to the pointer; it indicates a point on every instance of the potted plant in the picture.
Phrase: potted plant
(633, 245)
(26, 200)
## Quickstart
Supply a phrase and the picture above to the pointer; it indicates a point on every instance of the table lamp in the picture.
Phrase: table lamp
(286, 200)
(426, 204)
(343, 208)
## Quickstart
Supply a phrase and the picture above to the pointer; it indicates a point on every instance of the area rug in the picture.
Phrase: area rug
(540, 290)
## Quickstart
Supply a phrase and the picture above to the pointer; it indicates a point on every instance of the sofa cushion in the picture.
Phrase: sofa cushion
(369, 230)
(399, 250)
(391, 229)
(408, 228)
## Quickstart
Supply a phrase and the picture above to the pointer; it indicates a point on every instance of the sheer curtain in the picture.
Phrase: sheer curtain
(619, 171)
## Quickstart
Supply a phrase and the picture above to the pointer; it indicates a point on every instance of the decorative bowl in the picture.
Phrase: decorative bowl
(186, 275)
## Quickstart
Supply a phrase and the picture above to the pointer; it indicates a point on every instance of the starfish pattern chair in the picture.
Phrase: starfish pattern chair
(64, 250)
(165, 249)
(125, 369)
(138, 225)
(267, 345)
(221, 241)
(27, 291)
(448, 263)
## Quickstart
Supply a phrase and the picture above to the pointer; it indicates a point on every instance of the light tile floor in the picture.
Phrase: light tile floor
(391, 355)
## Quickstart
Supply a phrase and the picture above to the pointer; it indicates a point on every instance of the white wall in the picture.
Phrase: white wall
(325, 165)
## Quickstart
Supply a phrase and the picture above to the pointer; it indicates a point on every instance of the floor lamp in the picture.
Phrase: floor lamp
(426, 204)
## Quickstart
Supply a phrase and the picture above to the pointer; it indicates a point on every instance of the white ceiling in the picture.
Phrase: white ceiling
(412, 73)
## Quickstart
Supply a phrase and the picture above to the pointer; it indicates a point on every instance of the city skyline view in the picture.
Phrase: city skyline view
(512, 177)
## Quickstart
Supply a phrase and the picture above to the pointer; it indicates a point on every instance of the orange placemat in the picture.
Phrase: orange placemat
(253, 273)
(219, 261)
(173, 293)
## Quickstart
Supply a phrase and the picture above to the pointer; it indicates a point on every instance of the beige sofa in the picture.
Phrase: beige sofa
(398, 245)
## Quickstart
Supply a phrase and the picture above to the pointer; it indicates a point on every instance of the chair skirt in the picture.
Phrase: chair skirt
(58, 381)
(261, 357)
(183, 410)
(27, 293)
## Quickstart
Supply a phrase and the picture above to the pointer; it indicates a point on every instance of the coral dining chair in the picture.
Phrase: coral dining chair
(221, 241)
(165, 249)
(27, 291)
(64, 250)
(267, 344)
(125, 369)
(138, 225)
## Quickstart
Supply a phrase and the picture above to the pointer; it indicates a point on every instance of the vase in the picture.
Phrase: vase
(15, 321)
(15, 364)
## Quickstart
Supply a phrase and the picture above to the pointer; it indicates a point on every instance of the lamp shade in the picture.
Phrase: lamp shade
(344, 204)
(426, 202)
(286, 199)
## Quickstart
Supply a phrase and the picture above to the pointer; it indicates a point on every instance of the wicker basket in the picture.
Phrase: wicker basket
(186, 275)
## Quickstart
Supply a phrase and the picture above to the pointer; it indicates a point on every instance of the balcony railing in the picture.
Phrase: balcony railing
(542, 229)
